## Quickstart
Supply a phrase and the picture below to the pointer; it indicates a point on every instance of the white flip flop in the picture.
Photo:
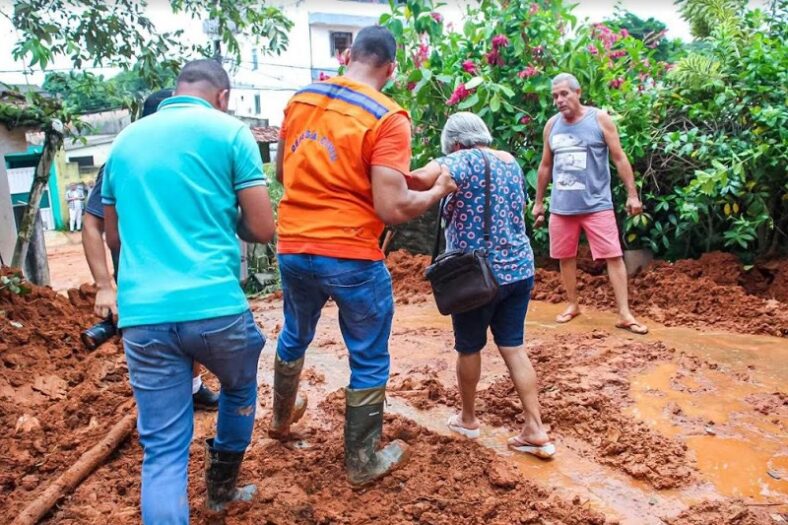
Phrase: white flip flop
(454, 426)
(546, 451)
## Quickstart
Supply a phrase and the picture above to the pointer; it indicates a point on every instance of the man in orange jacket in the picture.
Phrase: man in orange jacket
(344, 154)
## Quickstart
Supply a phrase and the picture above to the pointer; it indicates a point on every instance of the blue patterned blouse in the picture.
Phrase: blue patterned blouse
(510, 250)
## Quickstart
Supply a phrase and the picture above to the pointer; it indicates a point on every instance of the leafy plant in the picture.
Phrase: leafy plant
(14, 283)
(500, 63)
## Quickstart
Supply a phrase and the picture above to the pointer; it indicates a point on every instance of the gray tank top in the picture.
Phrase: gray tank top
(581, 170)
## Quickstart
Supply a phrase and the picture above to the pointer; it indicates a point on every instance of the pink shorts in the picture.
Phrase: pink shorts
(600, 228)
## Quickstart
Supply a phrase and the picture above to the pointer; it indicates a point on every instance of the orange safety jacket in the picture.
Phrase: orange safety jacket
(327, 207)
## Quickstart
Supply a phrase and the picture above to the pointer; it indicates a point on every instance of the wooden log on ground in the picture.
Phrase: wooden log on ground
(71, 478)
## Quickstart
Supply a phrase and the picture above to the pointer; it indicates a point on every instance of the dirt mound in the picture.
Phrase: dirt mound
(677, 295)
(768, 279)
(56, 399)
(774, 404)
(422, 388)
(713, 291)
(407, 276)
(723, 268)
(446, 481)
(722, 513)
(584, 391)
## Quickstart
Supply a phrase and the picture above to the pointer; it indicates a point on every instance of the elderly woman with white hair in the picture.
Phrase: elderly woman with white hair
(466, 145)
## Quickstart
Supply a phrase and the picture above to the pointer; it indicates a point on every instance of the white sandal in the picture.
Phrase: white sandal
(455, 425)
(546, 451)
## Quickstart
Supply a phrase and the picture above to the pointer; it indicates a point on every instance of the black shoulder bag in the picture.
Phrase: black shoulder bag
(463, 281)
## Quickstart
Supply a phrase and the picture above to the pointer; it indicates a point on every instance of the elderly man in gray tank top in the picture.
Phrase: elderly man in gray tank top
(578, 144)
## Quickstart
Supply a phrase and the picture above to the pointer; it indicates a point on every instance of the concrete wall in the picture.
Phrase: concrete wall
(10, 142)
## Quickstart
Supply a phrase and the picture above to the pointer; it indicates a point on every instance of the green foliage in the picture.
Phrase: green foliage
(261, 258)
(650, 31)
(84, 92)
(507, 81)
(707, 140)
(14, 283)
(717, 172)
(705, 15)
(118, 33)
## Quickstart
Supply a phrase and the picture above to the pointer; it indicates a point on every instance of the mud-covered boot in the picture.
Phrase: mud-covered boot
(221, 474)
(363, 427)
(289, 404)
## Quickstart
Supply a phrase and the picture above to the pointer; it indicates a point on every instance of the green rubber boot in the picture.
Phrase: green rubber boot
(363, 427)
(289, 405)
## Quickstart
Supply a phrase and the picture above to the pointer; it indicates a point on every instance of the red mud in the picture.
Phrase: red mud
(712, 291)
(584, 388)
(56, 399)
(407, 276)
(447, 481)
(722, 513)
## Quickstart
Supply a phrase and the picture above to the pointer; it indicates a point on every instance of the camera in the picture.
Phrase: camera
(99, 333)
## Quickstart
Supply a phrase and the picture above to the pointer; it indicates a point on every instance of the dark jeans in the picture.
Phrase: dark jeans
(505, 316)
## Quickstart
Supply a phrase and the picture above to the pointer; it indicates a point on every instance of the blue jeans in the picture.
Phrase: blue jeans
(362, 291)
(160, 359)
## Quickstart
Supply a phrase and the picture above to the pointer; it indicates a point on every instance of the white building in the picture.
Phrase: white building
(262, 84)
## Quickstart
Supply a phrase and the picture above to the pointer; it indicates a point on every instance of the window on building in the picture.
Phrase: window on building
(83, 162)
(340, 40)
(257, 108)
(254, 60)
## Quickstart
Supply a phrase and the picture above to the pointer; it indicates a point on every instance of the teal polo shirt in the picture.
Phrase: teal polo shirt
(173, 178)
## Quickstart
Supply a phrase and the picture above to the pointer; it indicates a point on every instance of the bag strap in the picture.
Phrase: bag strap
(487, 219)
(438, 230)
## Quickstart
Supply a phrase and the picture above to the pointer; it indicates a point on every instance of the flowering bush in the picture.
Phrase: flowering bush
(706, 137)
(500, 66)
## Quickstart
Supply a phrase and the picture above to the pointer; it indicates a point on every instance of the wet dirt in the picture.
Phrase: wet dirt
(446, 481)
(712, 292)
(665, 294)
(407, 276)
(585, 388)
(680, 427)
(56, 399)
(724, 513)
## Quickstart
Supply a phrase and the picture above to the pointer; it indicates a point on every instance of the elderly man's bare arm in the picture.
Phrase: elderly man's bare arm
(619, 158)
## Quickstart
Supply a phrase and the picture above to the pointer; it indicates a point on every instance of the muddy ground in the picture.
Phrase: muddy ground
(681, 426)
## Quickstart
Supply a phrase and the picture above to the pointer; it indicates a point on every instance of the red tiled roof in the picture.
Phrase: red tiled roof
(266, 134)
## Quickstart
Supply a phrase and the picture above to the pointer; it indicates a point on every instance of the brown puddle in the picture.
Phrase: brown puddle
(738, 451)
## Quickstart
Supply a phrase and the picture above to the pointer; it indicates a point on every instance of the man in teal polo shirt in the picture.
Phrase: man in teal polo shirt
(172, 189)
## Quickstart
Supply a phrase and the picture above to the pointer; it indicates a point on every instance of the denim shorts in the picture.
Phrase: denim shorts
(505, 316)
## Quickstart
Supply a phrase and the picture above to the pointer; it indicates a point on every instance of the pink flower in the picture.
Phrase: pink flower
(411, 86)
(469, 67)
(534, 9)
(528, 72)
(624, 33)
(460, 94)
(500, 41)
(342, 57)
(422, 53)
(526, 119)
(437, 16)
(494, 58)
(322, 76)
(617, 54)
(616, 82)
(537, 51)
(592, 49)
